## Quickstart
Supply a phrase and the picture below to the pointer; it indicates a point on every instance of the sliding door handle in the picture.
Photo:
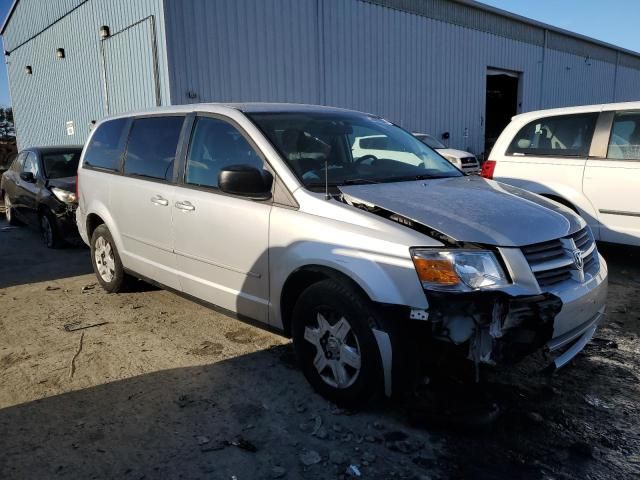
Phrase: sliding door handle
(185, 206)
(158, 200)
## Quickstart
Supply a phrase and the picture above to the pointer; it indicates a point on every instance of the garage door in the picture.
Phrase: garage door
(130, 69)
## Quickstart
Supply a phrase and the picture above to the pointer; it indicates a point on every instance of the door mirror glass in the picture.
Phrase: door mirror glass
(28, 177)
(246, 181)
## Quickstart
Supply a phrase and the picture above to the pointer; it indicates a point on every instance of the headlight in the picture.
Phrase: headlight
(458, 270)
(454, 160)
(64, 195)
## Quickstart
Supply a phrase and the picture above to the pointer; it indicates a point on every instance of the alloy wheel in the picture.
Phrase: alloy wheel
(7, 207)
(105, 262)
(338, 358)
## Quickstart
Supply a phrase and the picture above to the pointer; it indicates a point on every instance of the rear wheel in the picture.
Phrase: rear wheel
(49, 231)
(106, 261)
(8, 211)
(334, 342)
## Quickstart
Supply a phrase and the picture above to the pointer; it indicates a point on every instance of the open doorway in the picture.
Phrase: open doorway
(502, 103)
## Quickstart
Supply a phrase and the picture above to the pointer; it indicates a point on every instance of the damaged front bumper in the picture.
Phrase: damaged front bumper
(499, 328)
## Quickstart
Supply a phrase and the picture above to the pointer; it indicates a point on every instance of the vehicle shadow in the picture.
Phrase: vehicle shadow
(24, 259)
(237, 417)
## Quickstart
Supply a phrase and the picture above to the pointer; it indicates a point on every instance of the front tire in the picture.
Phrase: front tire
(106, 261)
(49, 231)
(8, 211)
(334, 343)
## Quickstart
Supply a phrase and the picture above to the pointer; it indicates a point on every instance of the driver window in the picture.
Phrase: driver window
(558, 136)
(31, 164)
(216, 144)
(624, 143)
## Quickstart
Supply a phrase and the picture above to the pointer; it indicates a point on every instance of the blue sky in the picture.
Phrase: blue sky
(613, 21)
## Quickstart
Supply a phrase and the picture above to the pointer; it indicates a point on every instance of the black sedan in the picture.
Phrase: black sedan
(39, 189)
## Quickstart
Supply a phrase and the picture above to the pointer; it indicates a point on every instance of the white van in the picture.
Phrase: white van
(587, 158)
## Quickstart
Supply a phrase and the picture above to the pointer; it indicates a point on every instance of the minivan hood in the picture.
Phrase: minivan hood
(454, 153)
(471, 209)
(66, 183)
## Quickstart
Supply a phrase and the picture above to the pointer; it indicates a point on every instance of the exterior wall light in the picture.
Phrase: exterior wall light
(28, 70)
(60, 53)
(104, 32)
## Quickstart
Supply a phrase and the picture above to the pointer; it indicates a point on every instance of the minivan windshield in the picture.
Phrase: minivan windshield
(355, 148)
(61, 164)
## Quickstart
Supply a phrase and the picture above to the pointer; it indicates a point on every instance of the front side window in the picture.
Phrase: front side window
(107, 145)
(353, 148)
(60, 164)
(215, 145)
(559, 136)
(31, 164)
(624, 143)
(151, 150)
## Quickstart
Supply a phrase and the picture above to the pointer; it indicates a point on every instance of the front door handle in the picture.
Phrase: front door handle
(185, 206)
(158, 200)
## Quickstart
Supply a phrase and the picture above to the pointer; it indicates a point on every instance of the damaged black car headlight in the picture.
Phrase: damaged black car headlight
(458, 270)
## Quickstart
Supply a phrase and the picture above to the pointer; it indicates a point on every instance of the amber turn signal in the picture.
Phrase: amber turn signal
(436, 271)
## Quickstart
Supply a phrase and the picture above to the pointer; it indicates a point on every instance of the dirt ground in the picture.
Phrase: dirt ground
(165, 388)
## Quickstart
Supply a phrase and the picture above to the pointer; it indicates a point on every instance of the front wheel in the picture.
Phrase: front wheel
(334, 343)
(8, 211)
(106, 261)
(49, 231)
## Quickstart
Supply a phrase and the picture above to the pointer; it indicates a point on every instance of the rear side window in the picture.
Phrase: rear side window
(151, 150)
(624, 143)
(107, 144)
(217, 144)
(558, 136)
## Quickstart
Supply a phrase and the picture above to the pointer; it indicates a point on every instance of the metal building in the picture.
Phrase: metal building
(433, 66)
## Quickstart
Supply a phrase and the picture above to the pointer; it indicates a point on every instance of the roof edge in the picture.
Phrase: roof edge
(8, 17)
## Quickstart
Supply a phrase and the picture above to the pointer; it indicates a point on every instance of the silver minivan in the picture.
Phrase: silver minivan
(370, 263)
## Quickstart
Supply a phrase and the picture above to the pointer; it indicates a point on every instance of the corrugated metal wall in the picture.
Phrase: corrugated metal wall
(72, 89)
(397, 58)
(421, 72)
(244, 50)
(32, 16)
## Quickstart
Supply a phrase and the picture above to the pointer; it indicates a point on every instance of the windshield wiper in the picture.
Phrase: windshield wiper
(351, 181)
(426, 176)
(356, 181)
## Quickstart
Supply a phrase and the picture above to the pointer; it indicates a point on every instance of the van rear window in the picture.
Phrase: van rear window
(558, 136)
(107, 145)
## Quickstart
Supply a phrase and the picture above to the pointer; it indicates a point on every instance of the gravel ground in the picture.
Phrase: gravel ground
(165, 388)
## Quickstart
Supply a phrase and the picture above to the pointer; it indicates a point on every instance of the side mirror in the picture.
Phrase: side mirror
(246, 181)
(28, 177)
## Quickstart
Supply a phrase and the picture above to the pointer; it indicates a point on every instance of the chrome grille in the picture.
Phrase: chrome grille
(553, 262)
(469, 164)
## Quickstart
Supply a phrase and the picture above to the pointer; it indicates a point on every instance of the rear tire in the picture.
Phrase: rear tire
(49, 230)
(11, 219)
(106, 261)
(335, 345)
